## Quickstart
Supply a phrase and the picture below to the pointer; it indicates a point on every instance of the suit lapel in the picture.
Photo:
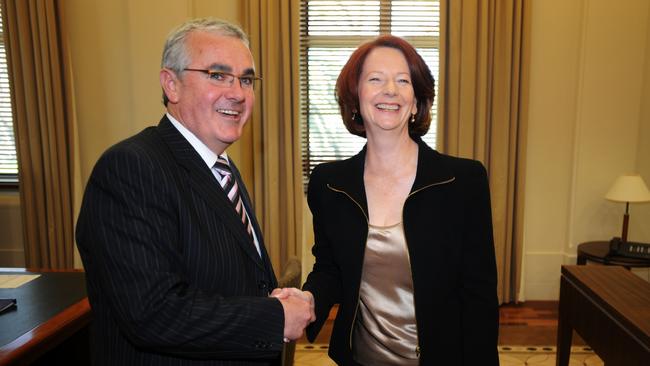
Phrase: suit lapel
(201, 179)
(350, 179)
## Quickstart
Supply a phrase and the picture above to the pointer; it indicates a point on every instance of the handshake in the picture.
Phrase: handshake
(298, 311)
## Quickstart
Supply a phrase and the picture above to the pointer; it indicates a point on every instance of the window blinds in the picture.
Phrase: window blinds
(8, 161)
(330, 30)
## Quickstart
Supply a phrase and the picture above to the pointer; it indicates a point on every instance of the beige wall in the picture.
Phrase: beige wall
(588, 116)
(640, 224)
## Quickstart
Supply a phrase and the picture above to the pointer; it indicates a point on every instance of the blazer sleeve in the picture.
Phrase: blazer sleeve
(128, 234)
(324, 281)
(480, 311)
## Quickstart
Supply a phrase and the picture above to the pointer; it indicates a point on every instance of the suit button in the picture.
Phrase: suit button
(262, 285)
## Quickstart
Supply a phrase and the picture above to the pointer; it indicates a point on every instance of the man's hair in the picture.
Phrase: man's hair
(176, 56)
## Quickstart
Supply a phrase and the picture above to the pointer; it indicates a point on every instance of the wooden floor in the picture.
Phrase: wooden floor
(528, 323)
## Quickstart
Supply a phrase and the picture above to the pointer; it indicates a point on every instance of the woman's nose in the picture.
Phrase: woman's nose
(389, 87)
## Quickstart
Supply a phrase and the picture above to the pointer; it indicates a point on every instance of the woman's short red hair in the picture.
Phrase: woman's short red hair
(347, 85)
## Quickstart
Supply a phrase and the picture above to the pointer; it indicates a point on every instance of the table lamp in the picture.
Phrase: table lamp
(628, 188)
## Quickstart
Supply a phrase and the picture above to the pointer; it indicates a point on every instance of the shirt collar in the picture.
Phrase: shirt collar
(208, 156)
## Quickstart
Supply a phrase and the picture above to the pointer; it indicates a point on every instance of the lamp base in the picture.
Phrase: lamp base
(629, 248)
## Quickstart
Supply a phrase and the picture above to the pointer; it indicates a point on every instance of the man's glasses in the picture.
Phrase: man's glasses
(225, 79)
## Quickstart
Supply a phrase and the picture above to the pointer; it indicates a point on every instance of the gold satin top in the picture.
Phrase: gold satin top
(385, 332)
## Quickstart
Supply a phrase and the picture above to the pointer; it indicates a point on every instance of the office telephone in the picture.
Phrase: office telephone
(629, 248)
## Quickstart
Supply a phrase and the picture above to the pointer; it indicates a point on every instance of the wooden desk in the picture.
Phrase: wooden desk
(598, 251)
(609, 307)
(50, 311)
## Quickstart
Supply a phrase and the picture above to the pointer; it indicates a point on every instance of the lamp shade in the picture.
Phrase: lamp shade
(629, 188)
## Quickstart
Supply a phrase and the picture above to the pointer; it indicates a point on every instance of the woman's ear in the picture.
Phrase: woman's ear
(170, 84)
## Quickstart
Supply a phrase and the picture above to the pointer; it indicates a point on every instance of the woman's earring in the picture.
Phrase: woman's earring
(413, 118)
(354, 116)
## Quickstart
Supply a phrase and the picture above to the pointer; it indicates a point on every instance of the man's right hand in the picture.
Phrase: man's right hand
(298, 311)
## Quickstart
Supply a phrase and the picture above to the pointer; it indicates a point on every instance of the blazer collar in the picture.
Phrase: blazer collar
(431, 170)
(198, 175)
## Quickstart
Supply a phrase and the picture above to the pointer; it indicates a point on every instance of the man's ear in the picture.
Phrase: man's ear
(170, 84)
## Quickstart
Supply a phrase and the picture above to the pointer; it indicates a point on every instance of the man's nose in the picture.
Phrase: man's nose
(235, 90)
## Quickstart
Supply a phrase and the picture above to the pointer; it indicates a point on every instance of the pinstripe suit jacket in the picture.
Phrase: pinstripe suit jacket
(172, 276)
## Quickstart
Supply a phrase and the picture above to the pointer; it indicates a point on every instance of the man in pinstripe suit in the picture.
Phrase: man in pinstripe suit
(177, 271)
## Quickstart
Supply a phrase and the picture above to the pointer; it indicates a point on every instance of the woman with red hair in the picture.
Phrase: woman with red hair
(403, 234)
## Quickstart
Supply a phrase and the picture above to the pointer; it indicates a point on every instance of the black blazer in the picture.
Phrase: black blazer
(448, 228)
(173, 277)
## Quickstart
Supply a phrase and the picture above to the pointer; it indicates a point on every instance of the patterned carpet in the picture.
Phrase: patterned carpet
(316, 355)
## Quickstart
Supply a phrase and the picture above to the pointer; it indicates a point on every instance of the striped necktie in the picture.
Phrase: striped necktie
(229, 185)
